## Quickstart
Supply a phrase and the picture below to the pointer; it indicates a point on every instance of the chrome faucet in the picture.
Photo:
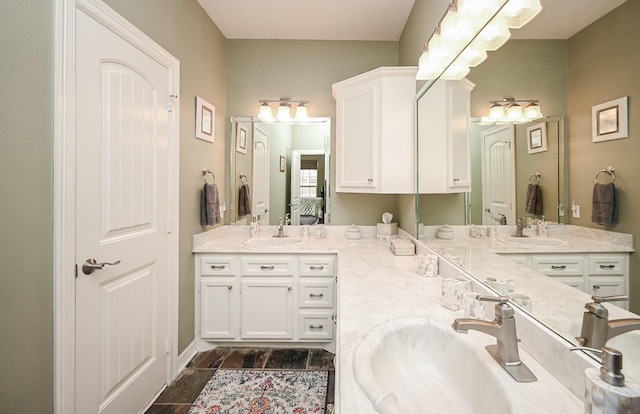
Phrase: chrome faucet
(503, 328)
(597, 329)
(521, 224)
(280, 229)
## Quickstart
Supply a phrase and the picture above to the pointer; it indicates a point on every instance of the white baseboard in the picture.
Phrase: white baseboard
(187, 355)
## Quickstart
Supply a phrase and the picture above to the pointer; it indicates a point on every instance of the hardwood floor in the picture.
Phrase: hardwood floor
(178, 396)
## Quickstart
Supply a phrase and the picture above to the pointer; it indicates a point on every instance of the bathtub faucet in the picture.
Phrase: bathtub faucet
(597, 329)
(503, 328)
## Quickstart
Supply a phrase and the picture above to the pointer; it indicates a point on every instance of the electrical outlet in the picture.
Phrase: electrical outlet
(576, 211)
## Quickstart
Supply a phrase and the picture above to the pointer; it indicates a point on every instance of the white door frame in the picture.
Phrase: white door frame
(64, 191)
(512, 181)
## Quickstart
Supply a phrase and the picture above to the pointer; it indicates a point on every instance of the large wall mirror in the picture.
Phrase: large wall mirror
(279, 170)
(531, 69)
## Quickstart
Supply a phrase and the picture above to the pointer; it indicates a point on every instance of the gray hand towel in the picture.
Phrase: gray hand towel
(244, 202)
(604, 209)
(534, 200)
(210, 205)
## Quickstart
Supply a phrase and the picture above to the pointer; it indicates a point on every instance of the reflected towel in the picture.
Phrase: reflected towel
(534, 200)
(244, 200)
(210, 205)
(604, 209)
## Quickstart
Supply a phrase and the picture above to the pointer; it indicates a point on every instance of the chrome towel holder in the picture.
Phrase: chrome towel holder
(535, 175)
(609, 170)
(206, 171)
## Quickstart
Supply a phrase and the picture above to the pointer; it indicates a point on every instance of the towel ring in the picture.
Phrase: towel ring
(206, 171)
(243, 178)
(608, 171)
(537, 177)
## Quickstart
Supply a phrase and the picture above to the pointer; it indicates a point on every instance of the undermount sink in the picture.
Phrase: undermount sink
(531, 242)
(410, 365)
(273, 242)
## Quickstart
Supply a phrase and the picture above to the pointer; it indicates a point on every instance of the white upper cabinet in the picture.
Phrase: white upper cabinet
(444, 161)
(375, 117)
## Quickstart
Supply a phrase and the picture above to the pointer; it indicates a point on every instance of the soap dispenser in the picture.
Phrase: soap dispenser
(606, 391)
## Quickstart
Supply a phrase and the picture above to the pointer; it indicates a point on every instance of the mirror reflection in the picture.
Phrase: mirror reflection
(279, 170)
(506, 172)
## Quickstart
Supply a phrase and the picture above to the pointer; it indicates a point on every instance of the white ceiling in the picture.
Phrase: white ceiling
(374, 19)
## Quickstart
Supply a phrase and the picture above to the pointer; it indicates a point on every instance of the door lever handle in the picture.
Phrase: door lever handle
(91, 265)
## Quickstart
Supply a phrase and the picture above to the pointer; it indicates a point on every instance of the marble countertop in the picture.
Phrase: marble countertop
(374, 286)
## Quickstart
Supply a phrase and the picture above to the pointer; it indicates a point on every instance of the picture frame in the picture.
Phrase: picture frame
(537, 138)
(205, 120)
(241, 139)
(610, 120)
(283, 163)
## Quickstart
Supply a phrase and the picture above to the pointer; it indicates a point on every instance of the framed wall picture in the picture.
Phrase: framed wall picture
(609, 120)
(241, 139)
(205, 120)
(537, 138)
(283, 163)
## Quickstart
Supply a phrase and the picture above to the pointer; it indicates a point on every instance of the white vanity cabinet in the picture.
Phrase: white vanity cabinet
(601, 274)
(265, 297)
(375, 116)
(444, 155)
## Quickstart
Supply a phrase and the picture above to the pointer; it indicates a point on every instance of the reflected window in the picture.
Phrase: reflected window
(308, 178)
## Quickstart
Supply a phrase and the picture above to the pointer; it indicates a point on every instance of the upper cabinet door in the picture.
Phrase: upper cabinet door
(444, 161)
(375, 118)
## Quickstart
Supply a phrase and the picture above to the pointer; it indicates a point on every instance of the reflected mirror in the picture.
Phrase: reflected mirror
(279, 170)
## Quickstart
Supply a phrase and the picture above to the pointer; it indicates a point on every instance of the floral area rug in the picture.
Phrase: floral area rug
(231, 391)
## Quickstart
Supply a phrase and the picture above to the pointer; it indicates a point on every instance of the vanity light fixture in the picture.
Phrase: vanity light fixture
(283, 113)
(468, 29)
(510, 111)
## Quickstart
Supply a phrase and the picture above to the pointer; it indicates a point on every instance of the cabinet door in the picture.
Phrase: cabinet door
(357, 129)
(267, 309)
(606, 286)
(218, 307)
(459, 149)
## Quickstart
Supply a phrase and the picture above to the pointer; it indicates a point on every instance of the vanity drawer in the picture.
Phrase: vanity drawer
(317, 265)
(566, 265)
(271, 265)
(217, 266)
(607, 265)
(316, 325)
(316, 294)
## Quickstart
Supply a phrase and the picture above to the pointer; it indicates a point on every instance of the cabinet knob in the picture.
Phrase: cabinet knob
(596, 287)
(370, 180)
(229, 287)
(289, 288)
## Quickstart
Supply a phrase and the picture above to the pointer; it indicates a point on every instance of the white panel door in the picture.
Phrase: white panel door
(122, 210)
(267, 309)
(294, 205)
(498, 175)
(261, 174)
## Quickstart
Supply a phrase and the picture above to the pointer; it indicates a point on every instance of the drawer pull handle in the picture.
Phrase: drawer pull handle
(263, 267)
(316, 267)
(217, 267)
(607, 266)
(314, 295)
(558, 267)
(316, 327)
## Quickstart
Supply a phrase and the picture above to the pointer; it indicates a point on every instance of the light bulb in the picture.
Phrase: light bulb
(301, 113)
(532, 111)
(265, 114)
(496, 112)
(514, 112)
(284, 113)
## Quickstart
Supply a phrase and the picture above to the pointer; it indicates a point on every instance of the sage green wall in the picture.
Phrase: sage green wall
(270, 69)
(26, 246)
(187, 32)
(26, 203)
(423, 18)
(603, 65)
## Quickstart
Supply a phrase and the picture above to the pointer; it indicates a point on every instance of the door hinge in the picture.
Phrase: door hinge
(170, 102)
(168, 346)
(76, 271)
(168, 225)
